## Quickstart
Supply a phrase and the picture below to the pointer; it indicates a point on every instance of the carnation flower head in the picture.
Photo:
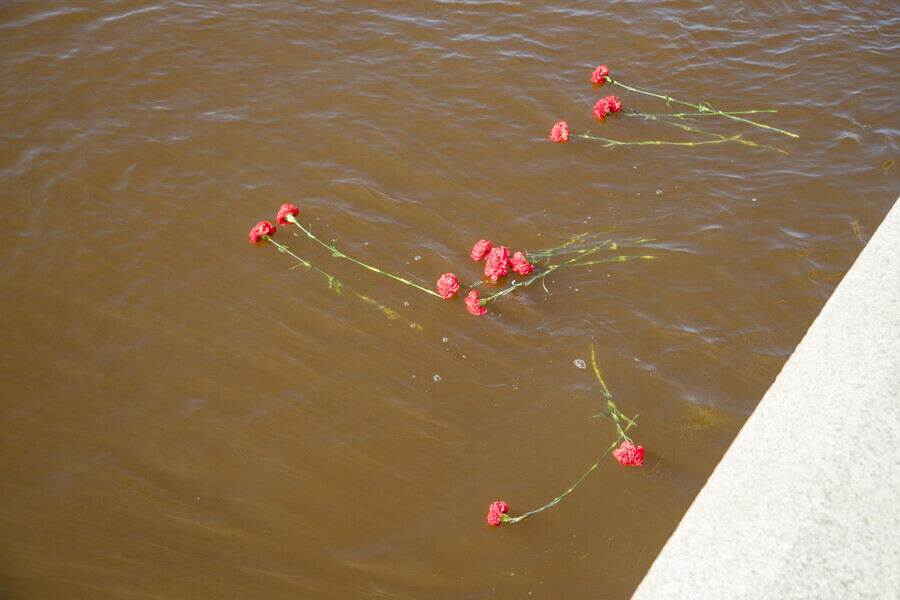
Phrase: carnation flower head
(480, 248)
(519, 264)
(473, 304)
(260, 231)
(629, 455)
(496, 265)
(559, 133)
(284, 211)
(497, 512)
(599, 74)
(447, 285)
(604, 106)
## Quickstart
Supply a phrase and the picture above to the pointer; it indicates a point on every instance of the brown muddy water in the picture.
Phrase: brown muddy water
(185, 415)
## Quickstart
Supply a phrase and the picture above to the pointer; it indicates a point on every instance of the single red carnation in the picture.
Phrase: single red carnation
(612, 104)
(496, 513)
(559, 133)
(599, 74)
(629, 455)
(520, 264)
(496, 265)
(479, 249)
(600, 109)
(447, 285)
(261, 230)
(284, 211)
(473, 304)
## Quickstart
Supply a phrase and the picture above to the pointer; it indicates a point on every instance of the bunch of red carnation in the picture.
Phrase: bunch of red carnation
(559, 133)
(497, 263)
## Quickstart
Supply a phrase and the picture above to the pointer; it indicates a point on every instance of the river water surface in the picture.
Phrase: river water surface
(186, 415)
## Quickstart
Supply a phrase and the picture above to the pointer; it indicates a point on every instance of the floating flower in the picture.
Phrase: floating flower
(473, 304)
(497, 513)
(629, 455)
(479, 249)
(559, 133)
(496, 265)
(284, 211)
(447, 285)
(520, 264)
(261, 230)
(607, 105)
(599, 74)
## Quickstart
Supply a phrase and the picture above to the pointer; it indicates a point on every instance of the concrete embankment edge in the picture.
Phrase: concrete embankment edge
(806, 501)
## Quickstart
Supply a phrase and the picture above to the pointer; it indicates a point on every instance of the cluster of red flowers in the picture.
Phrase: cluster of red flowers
(497, 262)
(496, 513)
(264, 229)
(559, 133)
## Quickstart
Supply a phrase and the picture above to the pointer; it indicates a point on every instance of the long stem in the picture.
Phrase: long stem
(333, 282)
(574, 485)
(702, 108)
(610, 142)
(338, 254)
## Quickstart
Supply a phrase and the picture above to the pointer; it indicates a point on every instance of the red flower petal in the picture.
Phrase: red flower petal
(496, 265)
(559, 133)
(479, 249)
(284, 211)
(520, 264)
(260, 231)
(629, 455)
(473, 304)
(599, 74)
(447, 285)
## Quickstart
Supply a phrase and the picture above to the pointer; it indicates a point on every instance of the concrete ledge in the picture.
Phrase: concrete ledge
(806, 502)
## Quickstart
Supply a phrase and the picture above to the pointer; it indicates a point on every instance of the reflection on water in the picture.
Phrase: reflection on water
(185, 415)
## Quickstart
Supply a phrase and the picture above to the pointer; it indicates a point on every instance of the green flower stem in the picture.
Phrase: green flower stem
(611, 143)
(571, 489)
(706, 109)
(333, 282)
(338, 254)
(528, 282)
(682, 126)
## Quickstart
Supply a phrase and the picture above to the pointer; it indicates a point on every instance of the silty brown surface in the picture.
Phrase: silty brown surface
(185, 415)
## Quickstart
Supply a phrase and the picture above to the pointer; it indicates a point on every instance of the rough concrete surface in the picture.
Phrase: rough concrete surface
(806, 501)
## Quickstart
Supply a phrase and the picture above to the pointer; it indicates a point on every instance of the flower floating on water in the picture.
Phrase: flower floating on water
(480, 248)
(612, 105)
(559, 133)
(607, 105)
(629, 455)
(261, 231)
(497, 513)
(599, 74)
(519, 264)
(496, 265)
(473, 304)
(447, 285)
(284, 211)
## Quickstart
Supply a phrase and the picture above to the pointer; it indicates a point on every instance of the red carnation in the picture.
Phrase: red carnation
(496, 265)
(629, 455)
(520, 264)
(599, 74)
(479, 249)
(447, 285)
(497, 513)
(473, 304)
(284, 211)
(261, 230)
(610, 104)
(559, 133)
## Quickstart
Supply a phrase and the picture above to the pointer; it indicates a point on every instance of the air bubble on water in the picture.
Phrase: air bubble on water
(405, 303)
(418, 258)
(437, 377)
(658, 192)
(414, 325)
(445, 340)
(580, 363)
(754, 200)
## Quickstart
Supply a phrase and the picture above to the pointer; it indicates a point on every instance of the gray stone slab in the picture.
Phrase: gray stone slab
(806, 501)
